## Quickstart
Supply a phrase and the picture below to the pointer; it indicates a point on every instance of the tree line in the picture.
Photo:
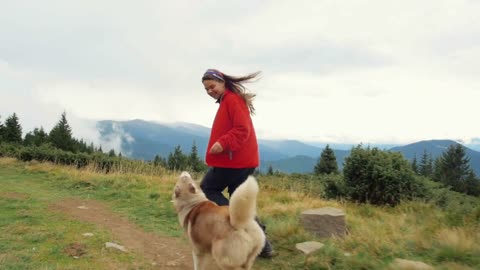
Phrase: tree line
(385, 177)
(60, 146)
(369, 174)
(59, 137)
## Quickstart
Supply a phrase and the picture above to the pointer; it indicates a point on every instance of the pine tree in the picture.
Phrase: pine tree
(414, 164)
(156, 160)
(194, 162)
(37, 137)
(270, 170)
(61, 135)
(12, 131)
(327, 162)
(111, 153)
(454, 168)
(177, 160)
(80, 146)
(91, 148)
(159, 161)
(425, 167)
(472, 184)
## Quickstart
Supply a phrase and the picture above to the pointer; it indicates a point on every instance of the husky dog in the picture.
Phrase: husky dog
(229, 234)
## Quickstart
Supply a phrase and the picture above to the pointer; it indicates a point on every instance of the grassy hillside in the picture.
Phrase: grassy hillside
(447, 237)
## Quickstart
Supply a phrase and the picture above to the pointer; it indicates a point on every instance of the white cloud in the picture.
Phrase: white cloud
(114, 139)
(355, 71)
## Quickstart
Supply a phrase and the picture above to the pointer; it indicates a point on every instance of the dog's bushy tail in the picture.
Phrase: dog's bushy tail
(243, 204)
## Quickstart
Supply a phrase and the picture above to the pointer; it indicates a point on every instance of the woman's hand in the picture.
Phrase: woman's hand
(216, 148)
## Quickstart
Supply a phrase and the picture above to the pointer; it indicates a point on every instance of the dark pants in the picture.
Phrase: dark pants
(216, 180)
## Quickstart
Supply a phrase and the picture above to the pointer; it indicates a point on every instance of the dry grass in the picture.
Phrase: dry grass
(459, 239)
(376, 235)
(5, 161)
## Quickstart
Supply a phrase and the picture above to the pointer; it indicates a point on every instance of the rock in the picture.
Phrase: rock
(88, 234)
(309, 247)
(82, 207)
(410, 265)
(115, 246)
(324, 222)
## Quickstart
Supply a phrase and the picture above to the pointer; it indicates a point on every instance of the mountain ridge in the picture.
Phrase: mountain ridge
(142, 139)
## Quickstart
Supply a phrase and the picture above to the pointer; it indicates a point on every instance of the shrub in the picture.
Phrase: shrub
(335, 187)
(378, 177)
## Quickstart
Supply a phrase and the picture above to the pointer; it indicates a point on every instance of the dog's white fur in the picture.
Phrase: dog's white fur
(228, 234)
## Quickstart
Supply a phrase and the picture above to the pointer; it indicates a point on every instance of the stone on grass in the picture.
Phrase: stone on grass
(410, 265)
(309, 247)
(324, 222)
(115, 246)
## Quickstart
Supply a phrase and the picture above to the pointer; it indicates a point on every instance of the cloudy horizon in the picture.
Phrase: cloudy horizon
(349, 72)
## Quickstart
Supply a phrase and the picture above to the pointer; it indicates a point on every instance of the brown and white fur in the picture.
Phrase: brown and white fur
(228, 234)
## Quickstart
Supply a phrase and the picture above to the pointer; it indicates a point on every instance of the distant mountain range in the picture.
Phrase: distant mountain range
(141, 139)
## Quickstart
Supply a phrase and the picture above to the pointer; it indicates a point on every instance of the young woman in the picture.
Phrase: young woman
(232, 152)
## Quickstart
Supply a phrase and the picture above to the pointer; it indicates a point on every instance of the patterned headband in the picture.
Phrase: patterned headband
(213, 73)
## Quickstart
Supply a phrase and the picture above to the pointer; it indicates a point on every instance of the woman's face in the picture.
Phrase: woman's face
(214, 88)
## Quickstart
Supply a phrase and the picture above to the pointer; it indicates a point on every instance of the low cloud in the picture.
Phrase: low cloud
(115, 140)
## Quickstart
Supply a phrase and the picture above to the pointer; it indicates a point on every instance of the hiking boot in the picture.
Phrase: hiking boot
(267, 251)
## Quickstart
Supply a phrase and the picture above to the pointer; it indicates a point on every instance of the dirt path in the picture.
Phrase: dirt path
(163, 252)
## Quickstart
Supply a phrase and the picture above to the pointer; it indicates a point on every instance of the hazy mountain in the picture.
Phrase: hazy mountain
(143, 140)
(349, 146)
(436, 149)
(301, 163)
(473, 144)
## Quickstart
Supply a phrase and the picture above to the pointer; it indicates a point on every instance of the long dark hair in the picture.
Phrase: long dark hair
(235, 84)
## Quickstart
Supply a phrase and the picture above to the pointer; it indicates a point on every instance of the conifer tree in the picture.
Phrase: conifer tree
(194, 162)
(80, 146)
(472, 184)
(12, 132)
(111, 153)
(91, 148)
(159, 161)
(327, 162)
(61, 135)
(177, 160)
(414, 164)
(270, 170)
(425, 167)
(453, 168)
(37, 137)
(156, 160)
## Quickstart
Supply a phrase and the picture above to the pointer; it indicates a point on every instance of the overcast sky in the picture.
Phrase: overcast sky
(371, 71)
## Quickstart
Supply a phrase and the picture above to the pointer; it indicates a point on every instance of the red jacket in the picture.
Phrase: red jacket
(233, 129)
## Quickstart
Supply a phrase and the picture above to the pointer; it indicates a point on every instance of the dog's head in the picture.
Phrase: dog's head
(186, 192)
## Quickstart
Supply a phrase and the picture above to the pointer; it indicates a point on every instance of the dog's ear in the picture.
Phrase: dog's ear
(177, 191)
(192, 188)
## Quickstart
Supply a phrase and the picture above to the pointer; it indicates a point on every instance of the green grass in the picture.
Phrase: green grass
(35, 238)
(447, 238)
